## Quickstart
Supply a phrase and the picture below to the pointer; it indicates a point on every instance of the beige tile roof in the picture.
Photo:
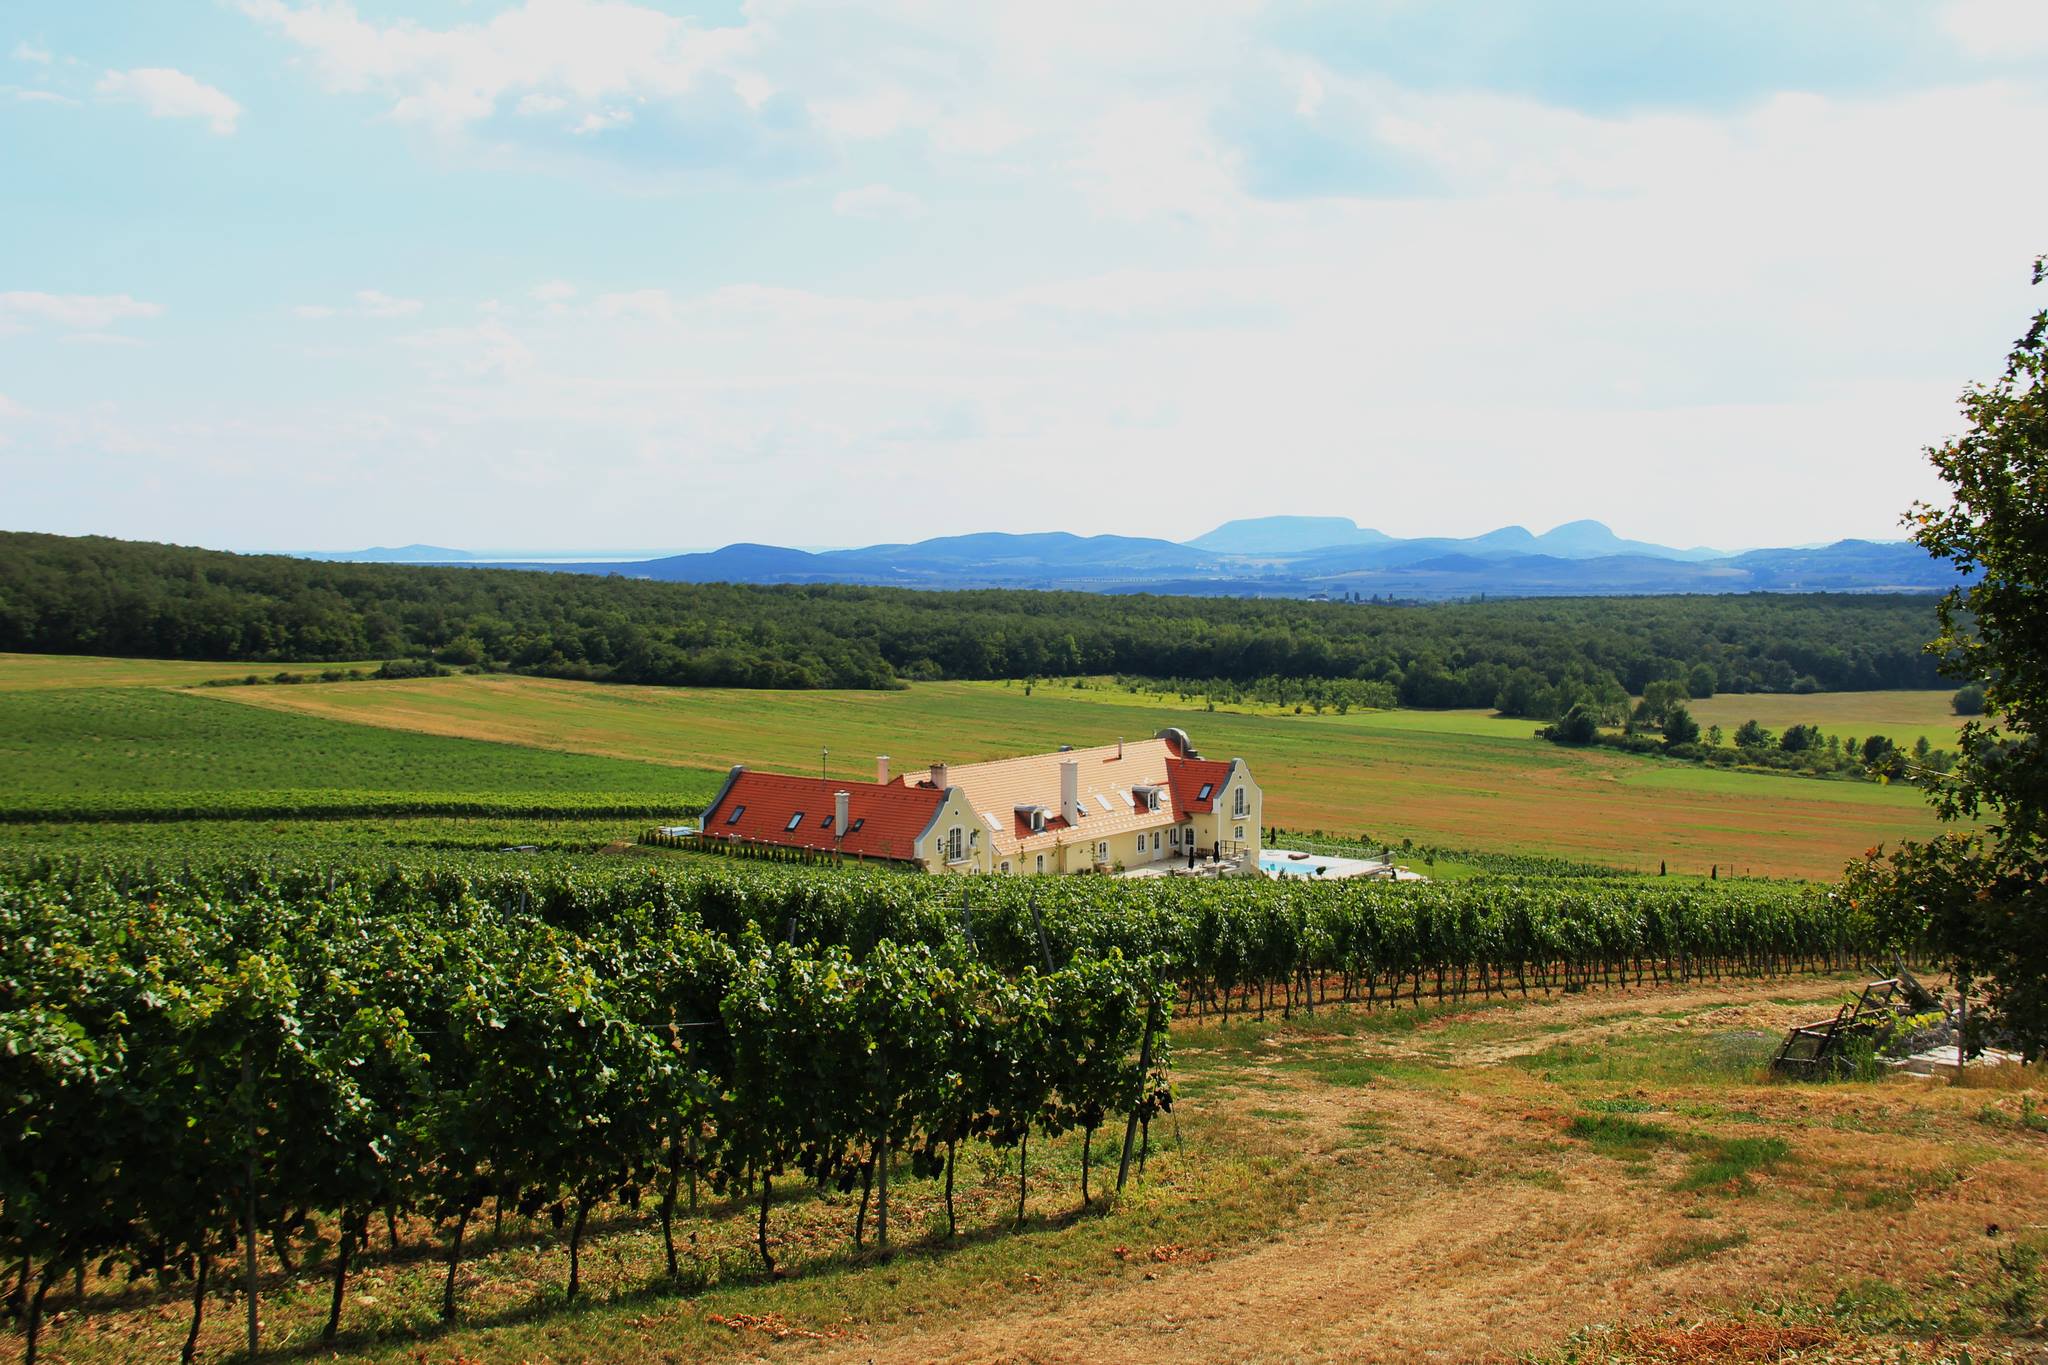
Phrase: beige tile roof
(997, 788)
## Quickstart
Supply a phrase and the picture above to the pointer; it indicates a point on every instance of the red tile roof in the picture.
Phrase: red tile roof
(883, 819)
(1187, 776)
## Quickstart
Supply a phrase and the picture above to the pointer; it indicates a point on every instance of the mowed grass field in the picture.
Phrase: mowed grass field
(33, 672)
(1451, 779)
(1901, 716)
(138, 739)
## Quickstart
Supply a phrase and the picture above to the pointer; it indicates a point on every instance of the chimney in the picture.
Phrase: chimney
(1070, 791)
(838, 816)
(939, 776)
(881, 770)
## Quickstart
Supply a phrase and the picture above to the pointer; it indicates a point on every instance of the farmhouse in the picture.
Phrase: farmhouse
(1154, 802)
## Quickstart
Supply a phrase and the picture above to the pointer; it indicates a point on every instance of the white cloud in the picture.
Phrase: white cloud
(554, 291)
(1997, 28)
(878, 202)
(485, 350)
(369, 303)
(169, 93)
(374, 303)
(540, 56)
(10, 408)
(26, 96)
(73, 312)
(24, 52)
(601, 121)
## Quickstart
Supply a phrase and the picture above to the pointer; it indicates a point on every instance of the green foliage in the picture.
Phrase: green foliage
(176, 1048)
(94, 595)
(1968, 700)
(1576, 726)
(1983, 895)
(1679, 726)
(1750, 735)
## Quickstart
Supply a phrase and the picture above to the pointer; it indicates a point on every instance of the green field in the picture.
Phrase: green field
(122, 743)
(1451, 779)
(27, 672)
(1903, 717)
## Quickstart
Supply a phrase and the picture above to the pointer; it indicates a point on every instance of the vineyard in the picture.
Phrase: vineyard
(203, 1062)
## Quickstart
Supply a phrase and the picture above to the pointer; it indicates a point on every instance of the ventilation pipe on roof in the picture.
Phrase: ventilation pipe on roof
(1119, 746)
(839, 817)
(1070, 791)
(881, 770)
(939, 776)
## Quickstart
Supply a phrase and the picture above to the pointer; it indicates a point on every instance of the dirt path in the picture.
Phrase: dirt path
(1488, 1236)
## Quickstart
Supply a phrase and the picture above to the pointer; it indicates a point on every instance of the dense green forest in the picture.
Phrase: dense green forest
(99, 596)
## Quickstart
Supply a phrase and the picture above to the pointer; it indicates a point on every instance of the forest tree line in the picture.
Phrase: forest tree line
(92, 595)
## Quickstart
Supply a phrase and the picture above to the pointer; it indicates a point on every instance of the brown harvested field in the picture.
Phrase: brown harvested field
(1451, 779)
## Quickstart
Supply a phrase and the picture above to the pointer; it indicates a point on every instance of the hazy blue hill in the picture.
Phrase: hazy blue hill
(1507, 540)
(1284, 535)
(1290, 556)
(392, 554)
(1852, 565)
(1057, 550)
(1594, 540)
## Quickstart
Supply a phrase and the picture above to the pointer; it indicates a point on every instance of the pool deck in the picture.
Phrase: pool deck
(1304, 867)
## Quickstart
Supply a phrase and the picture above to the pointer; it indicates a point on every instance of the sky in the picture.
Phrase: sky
(572, 274)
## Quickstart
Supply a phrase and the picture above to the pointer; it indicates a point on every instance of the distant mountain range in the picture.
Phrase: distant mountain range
(1282, 557)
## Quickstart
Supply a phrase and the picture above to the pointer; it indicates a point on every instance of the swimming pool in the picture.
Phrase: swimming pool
(1280, 862)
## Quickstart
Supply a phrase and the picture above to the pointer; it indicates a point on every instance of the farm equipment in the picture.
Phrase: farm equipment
(1819, 1048)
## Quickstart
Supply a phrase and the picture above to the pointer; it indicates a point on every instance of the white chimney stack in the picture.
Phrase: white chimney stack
(881, 770)
(1070, 791)
(838, 816)
(939, 776)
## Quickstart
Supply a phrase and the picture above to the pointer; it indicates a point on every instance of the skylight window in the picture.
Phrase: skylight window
(737, 812)
(858, 821)
(1203, 794)
(1103, 802)
(825, 823)
(794, 821)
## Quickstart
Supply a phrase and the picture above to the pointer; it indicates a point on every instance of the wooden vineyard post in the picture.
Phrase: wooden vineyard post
(249, 1202)
(1123, 1166)
(1038, 927)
